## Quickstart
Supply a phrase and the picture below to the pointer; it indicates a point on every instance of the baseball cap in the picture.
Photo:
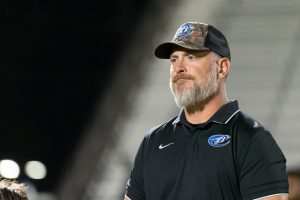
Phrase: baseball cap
(195, 36)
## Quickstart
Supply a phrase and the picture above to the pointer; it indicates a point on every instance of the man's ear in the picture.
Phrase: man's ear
(223, 67)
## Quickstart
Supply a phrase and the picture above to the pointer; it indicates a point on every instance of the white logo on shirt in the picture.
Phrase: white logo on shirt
(164, 146)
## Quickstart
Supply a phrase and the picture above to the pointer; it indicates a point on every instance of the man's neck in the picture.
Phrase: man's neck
(204, 112)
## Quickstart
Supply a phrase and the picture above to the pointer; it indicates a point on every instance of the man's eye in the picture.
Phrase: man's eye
(191, 57)
(172, 60)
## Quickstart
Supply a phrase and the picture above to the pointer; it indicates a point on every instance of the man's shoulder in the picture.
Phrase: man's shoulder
(161, 129)
(248, 121)
(247, 126)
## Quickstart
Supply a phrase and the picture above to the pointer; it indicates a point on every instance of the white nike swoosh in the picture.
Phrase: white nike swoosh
(164, 146)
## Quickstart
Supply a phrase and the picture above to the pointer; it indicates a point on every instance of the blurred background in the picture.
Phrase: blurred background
(80, 86)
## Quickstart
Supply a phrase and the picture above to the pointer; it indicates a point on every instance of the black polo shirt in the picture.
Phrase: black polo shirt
(230, 157)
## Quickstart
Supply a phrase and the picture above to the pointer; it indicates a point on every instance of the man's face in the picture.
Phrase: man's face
(193, 77)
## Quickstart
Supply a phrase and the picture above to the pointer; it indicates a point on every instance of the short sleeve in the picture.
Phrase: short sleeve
(135, 183)
(262, 167)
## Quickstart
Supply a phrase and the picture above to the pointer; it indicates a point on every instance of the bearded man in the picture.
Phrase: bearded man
(211, 150)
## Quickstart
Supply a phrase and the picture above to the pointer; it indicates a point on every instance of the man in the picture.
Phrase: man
(11, 190)
(212, 150)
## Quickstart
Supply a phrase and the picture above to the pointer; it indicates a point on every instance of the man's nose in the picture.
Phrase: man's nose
(179, 66)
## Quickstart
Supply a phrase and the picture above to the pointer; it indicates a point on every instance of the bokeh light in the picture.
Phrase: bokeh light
(35, 170)
(9, 169)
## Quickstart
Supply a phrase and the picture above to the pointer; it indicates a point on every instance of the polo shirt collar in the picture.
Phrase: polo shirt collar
(222, 116)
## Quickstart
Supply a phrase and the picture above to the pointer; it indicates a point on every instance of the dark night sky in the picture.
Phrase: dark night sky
(56, 60)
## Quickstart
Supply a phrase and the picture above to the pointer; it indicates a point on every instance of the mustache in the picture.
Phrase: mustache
(182, 76)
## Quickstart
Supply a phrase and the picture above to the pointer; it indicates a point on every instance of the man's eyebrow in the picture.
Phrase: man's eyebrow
(173, 56)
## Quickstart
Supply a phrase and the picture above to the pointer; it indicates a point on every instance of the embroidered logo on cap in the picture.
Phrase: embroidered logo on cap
(218, 140)
(191, 34)
(185, 30)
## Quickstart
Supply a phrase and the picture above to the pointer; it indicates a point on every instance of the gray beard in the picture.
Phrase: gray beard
(198, 93)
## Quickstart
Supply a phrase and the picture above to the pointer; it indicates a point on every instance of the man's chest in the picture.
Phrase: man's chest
(186, 161)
